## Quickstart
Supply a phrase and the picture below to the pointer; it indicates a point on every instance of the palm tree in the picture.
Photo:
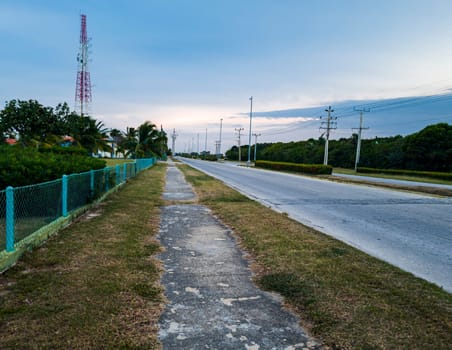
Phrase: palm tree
(88, 133)
(129, 143)
(116, 136)
(147, 134)
(145, 141)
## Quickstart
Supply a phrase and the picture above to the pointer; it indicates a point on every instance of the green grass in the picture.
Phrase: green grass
(95, 285)
(116, 161)
(395, 177)
(344, 297)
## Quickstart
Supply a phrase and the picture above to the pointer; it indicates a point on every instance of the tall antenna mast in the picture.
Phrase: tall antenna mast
(83, 85)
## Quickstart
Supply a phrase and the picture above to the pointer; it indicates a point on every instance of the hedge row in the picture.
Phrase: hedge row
(27, 166)
(212, 158)
(427, 174)
(312, 169)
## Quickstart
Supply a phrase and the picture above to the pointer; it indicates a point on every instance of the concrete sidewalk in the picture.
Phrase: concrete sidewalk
(212, 302)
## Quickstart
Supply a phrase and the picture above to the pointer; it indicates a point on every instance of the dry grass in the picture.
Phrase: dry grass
(95, 285)
(347, 298)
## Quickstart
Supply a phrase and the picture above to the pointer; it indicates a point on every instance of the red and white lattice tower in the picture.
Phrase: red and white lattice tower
(83, 85)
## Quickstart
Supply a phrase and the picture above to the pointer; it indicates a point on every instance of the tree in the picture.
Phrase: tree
(117, 136)
(129, 143)
(144, 141)
(430, 148)
(88, 133)
(31, 122)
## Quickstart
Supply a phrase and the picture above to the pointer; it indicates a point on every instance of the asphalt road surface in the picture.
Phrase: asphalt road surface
(411, 231)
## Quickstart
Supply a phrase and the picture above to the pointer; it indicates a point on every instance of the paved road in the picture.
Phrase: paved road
(413, 232)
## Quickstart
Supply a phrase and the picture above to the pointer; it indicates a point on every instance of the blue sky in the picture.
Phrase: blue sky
(186, 64)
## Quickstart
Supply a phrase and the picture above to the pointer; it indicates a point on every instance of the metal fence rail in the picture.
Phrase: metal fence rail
(26, 209)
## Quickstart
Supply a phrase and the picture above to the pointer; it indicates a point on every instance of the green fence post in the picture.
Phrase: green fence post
(124, 174)
(106, 172)
(9, 219)
(64, 196)
(91, 182)
(118, 175)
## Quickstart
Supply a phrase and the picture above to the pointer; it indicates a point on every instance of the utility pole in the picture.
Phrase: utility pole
(219, 144)
(217, 149)
(330, 125)
(239, 130)
(205, 146)
(198, 146)
(249, 138)
(174, 136)
(255, 145)
(360, 129)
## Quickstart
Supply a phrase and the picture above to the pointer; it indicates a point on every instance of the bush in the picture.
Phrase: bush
(312, 169)
(27, 166)
(211, 157)
(427, 174)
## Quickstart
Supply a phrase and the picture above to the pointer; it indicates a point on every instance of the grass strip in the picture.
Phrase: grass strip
(345, 297)
(424, 189)
(116, 161)
(94, 285)
(392, 176)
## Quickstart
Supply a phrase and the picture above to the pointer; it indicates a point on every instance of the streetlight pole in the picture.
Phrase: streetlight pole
(219, 145)
(249, 139)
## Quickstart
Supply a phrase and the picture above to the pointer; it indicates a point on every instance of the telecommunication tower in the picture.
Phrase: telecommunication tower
(83, 85)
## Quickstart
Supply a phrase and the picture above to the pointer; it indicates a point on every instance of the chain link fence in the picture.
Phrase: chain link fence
(2, 219)
(25, 210)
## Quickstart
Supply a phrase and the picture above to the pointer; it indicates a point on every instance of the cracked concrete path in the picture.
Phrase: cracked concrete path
(212, 301)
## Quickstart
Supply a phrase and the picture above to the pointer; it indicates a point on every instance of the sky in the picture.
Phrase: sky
(191, 65)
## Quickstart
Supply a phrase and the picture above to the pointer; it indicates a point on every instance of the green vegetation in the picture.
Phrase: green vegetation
(30, 124)
(346, 298)
(312, 169)
(424, 174)
(45, 142)
(392, 176)
(116, 161)
(95, 285)
(194, 155)
(144, 142)
(25, 166)
(427, 150)
(34, 125)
